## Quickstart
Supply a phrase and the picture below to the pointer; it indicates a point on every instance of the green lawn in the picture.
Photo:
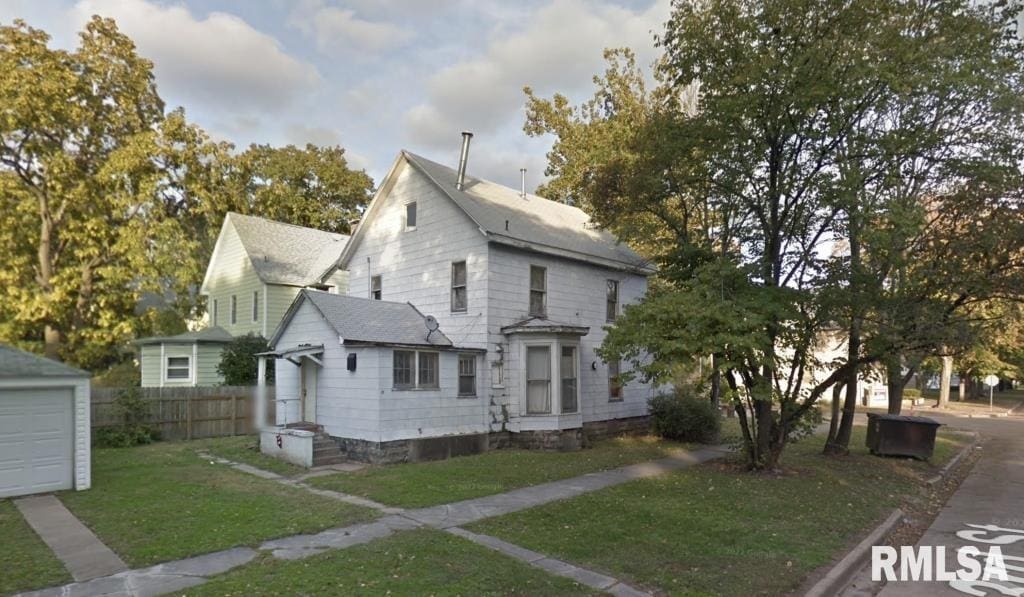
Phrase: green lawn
(246, 449)
(26, 562)
(162, 502)
(430, 483)
(715, 529)
(420, 562)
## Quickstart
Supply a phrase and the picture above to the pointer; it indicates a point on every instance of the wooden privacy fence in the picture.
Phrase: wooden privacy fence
(186, 413)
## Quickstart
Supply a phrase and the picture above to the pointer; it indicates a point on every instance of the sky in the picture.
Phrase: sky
(374, 76)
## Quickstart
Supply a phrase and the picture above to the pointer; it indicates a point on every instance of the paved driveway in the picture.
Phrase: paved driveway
(991, 495)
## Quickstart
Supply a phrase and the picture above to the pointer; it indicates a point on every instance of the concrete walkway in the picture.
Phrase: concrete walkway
(173, 576)
(83, 554)
(992, 494)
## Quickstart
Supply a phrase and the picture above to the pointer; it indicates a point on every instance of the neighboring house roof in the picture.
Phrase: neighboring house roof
(543, 325)
(533, 223)
(18, 363)
(214, 335)
(357, 319)
(285, 253)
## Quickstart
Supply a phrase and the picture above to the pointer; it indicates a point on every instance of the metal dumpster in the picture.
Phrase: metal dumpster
(899, 435)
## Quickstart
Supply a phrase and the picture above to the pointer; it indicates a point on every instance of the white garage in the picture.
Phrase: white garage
(44, 425)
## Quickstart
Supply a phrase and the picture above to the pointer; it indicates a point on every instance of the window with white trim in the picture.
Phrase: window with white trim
(410, 216)
(538, 291)
(460, 302)
(538, 380)
(178, 369)
(255, 305)
(467, 375)
(375, 288)
(614, 383)
(415, 369)
(567, 371)
(612, 302)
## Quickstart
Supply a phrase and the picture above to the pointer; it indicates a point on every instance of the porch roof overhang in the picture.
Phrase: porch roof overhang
(540, 325)
(296, 354)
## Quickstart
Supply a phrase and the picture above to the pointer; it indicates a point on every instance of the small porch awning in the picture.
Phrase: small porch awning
(540, 325)
(296, 354)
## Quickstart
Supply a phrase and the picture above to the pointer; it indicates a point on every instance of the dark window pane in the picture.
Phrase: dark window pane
(538, 277)
(459, 273)
(613, 300)
(459, 302)
(410, 215)
(403, 368)
(568, 373)
(467, 375)
(428, 370)
(537, 306)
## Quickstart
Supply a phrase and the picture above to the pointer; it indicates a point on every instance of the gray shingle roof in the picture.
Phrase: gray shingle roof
(540, 324)
(205, 336)
(18, 363)
(538, 223)
(287, 254)
(357, 319)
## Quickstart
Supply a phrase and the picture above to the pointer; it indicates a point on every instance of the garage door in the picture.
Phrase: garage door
(35, 441)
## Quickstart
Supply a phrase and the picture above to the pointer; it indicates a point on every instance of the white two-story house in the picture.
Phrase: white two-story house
(502, 298)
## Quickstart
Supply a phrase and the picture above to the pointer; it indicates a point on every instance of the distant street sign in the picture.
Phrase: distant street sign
(991, 380)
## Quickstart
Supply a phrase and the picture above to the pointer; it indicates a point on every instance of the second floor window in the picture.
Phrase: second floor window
(612, 308)
(410, 216)
(214, 311)
(234, 309)
(459, 299)
(538, 291)
(255, 305)
(375, 288)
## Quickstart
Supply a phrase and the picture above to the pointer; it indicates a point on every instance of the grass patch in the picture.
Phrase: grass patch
(163, 502)
(27, 563)
(246, 449)
(423, 484)
(714, 529)
(420, 562)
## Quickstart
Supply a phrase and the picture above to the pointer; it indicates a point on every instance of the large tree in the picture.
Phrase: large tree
(798, 112)
(105, 198)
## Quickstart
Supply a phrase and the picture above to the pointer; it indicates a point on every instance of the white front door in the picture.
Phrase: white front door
(35, 441)
(309, 379)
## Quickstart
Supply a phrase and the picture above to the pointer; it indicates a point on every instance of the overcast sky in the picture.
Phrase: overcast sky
(374, 76)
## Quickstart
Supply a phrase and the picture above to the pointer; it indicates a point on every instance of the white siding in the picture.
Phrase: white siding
(576, 295)
(347, 403)
(410, 414)
(415, 265)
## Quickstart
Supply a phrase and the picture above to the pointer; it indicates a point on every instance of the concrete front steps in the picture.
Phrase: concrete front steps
(325, 449)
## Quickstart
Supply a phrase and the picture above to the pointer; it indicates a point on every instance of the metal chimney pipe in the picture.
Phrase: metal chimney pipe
(522, 185)
(460, 182)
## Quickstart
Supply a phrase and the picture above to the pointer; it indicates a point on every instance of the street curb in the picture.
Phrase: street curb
(954, 461)
(842, 573)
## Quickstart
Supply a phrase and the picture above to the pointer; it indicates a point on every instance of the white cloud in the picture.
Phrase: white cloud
(335, 28)
(220, 61)
(558, 49)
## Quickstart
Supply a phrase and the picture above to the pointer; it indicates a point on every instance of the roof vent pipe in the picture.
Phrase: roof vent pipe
(460, 183)
(522, 184)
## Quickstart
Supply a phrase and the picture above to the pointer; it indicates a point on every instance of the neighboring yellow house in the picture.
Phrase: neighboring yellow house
(256, 270)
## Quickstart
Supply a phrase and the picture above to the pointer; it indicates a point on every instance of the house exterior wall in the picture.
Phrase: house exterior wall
(347, 403)
(411, 414)
(575, 294)
(415, 265)
(278, 299)
(232, 274)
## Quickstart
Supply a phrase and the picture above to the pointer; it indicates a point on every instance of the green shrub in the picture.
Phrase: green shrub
(238, 364)
(684, 417)
(132, 429)
(911, 393)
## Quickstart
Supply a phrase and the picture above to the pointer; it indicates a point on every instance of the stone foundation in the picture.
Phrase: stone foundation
(440, 448)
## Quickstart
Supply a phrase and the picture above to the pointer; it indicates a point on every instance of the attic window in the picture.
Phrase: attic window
(410, 216)
(459, 299)
(375, 288)
(538, 291)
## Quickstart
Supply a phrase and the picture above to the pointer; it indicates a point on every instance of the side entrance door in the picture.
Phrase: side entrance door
(310, 372)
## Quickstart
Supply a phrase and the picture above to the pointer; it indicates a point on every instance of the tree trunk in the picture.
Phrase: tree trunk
(947, 373)
(894, 381)
(833, 424)
(51, 335)
(962, 388)
(716, 384)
